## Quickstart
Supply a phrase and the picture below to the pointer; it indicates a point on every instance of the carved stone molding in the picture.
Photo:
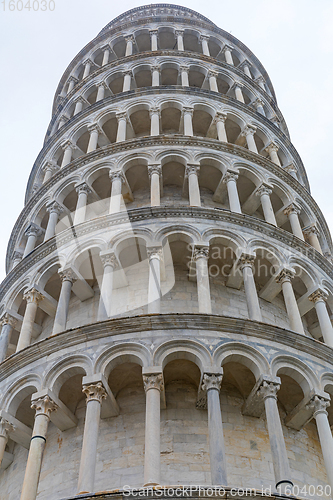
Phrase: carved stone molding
(94, 392)
(43, 406)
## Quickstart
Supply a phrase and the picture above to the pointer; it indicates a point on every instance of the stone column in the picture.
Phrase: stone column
(153, 385)
(284, 278)
(71, 83)
(319, 405)
(201, 255)
(8, 324)
(101, 88)
(312, 233)
(95, 393)
(110, 263)
(127, 80)
(122, 123)
(272, 150)
(258, 104)
(44, 407)
(68, 148)
(261, 82)
(80, 212)
(264, 192)
(292, 212)
(32, 232)
(230, 179)
(106, 54)
(292, 170)
(153, 39)
(212, 75)
(319, 298)
(63, 119)
(268, 391)
(154, 285)
(16, 259)
(79, 102)
(54, 209)
(155, 174)
(227, 51)
(49, 169)
(32, 297)
(94, 129)
(204, 39)
(252, 301)
(155, 75)
(192, 172)
(184, 71)
(218, 467)
(249, 132)
(220, 119)
(245, 66)
(237, 86)
(67, 279)
(117, 179)
(155, 115)
(129, 45)
(180, 41)
(87, 67)
(5, 429)
(188, 126)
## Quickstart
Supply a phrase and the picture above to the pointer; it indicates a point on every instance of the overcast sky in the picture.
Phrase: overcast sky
(292, 38)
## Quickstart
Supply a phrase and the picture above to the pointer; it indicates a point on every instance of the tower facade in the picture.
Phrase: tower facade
(166, 316)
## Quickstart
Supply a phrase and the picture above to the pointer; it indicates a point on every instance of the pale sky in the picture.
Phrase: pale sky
(293, 39)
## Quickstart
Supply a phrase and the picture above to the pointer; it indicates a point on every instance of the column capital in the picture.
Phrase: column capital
(200, 251)
(246, 260)
(319, 405)
(127, 71)
(129, 38)
(310, 230)
(220, 116)
(179, 32)
(285, 275)
(121, 115)
(43, 406)
(155, 168)
(204, 37)
(230, 175)
(188, 109)
(109, 258)
(244, 63)
(153, 381)
(153, 32)
(5, 428)
(269, 389)
(72, 79)
(67, 275)
(83, 188)
(192, 168)
(155, 67)
(51, 166)
(249, 130)
(154, 110)
(94, 126)
(213, 73)
(32, 295)
(227, 47)
(94, 392)
(260, 79)
(7, 319)
(257, 102)
(291, 168)
(155, 252)
(106, 47)
(54, 207)
(67, 144)
(117, 175)
(88, 61)
(184, 68)
(102, 83)
(235, 85)
(272, 146)
(264, 189)
(291, 209)
(211, 381)
(318, 295)
(80, 99)
(33, 230)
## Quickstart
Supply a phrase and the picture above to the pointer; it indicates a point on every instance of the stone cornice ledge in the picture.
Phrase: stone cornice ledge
(145, 213)
(171, 321)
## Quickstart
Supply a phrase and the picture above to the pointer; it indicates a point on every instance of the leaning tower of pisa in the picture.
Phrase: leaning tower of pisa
(166, 314)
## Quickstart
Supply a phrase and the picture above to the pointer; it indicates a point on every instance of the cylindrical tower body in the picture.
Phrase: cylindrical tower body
(167, 309)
